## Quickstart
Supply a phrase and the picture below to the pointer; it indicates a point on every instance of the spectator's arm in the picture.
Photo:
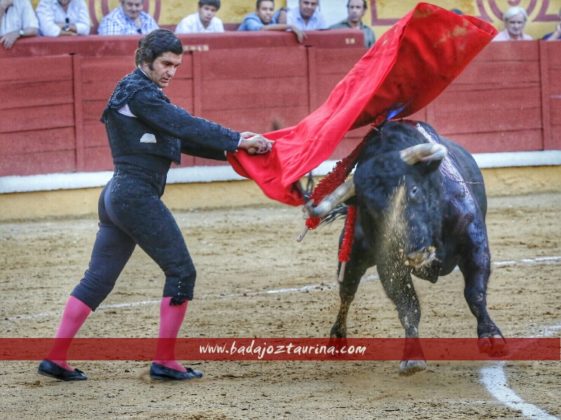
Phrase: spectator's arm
(253, 23)
(322, 23)
(555, 35)
(30, 24)
(84, 23)
(110, 27)
(153, 24)
(300, 35)
(219, 26)
(46, 17)
(4, 4)
(182, 27)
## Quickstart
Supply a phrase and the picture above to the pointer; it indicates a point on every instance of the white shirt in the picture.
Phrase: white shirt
(50, 12)
(504, 36)
(316, 21)
(19, 15)
(192, 24)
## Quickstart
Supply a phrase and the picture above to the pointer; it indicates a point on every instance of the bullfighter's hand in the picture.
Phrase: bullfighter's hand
(255, 143)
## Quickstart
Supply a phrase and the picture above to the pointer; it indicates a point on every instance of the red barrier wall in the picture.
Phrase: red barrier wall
(52, 93)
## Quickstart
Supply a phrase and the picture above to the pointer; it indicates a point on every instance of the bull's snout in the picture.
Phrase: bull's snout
(421, 258)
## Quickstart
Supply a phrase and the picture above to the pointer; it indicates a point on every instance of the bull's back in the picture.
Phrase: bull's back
(469, 171)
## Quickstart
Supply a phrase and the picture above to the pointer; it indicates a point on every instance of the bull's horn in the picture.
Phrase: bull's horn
(341, 193)
(424, 152)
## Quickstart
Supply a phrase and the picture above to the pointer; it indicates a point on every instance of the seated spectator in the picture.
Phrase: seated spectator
(555, 35)
(204, 20)
(63, 17)
(262, 20)
(515, 19)
(355, 12)
(280, 15)
(127, 19)
(17, 20)
(307, 17)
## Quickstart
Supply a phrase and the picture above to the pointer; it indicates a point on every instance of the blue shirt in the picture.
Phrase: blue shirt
(118, 23)
(251, 22)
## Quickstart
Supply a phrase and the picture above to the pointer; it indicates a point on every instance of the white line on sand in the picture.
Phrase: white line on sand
(494, 379)
(302, 289)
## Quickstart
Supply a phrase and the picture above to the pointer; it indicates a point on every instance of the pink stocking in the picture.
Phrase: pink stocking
(74, 315)
(171, 318)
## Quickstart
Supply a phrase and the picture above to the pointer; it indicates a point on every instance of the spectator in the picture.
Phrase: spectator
(555, 35)
(204, 20)
(280, 15)
(127, 19)
(262, 20)
(356, 10)
(307, 17)
(63, 17)
(17, 20)
(515, 19)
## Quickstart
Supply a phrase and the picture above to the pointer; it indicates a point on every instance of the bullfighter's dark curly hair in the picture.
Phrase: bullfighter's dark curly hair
(155, 44)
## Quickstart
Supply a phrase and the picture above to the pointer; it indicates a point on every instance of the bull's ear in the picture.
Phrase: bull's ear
(423, 153)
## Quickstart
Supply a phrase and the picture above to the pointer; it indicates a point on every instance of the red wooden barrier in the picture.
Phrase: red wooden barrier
(52, 93)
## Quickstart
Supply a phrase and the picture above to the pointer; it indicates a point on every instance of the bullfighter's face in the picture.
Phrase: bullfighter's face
(162, 70)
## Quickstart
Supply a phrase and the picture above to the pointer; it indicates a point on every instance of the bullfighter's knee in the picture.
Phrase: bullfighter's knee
(180, 283)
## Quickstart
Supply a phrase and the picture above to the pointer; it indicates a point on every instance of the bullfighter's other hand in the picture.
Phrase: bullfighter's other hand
(255, 143)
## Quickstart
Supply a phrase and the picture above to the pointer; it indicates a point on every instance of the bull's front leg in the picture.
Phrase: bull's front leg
(354, 270)
(347, 290)
(476, 269)
(399, 287)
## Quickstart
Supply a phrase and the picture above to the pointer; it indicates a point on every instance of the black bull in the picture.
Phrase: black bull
(421, 208)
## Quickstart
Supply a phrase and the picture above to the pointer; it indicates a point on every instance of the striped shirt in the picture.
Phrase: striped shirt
(118, 23)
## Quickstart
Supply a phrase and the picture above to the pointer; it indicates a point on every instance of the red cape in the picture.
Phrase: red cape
(408, 67)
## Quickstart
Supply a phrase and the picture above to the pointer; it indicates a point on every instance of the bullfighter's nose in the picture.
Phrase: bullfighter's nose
(420, 258)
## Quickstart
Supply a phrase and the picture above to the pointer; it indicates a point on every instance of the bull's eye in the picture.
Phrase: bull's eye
(413, 191)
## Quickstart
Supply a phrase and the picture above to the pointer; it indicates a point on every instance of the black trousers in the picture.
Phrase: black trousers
(130, 213)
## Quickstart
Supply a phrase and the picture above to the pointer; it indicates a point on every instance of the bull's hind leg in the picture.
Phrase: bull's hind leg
(399, 287)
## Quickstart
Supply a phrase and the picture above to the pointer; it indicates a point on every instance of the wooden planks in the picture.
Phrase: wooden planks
(52, 94)
(37, 118)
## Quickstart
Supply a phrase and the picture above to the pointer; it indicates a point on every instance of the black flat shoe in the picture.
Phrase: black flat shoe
(158, 371)
(48, 368)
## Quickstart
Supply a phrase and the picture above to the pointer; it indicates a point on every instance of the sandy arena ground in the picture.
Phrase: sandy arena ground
(241, 254)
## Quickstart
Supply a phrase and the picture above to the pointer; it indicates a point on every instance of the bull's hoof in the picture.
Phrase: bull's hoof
(409, 367)
(494, 346)
(338, 332)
